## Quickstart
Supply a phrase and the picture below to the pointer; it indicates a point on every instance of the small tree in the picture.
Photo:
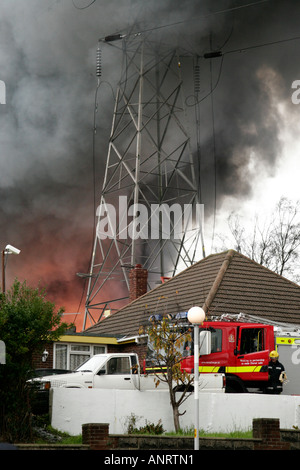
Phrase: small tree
(167, 339)
(27, 322)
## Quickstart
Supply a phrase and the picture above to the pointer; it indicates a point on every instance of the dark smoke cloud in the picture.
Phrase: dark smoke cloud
(48, 62)
(243, 134)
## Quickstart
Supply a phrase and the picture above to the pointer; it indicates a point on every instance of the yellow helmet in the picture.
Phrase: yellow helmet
(274, 354)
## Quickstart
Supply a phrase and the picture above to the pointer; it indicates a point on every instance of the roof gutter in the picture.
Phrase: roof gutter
(132, 339)
(87, 339)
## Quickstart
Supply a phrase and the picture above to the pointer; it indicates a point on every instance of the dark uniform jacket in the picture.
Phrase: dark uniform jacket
(275, 369)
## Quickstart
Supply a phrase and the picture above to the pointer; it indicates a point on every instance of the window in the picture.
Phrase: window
(134, 364)
(118, 365)
(60, 356)
(99, 349)
(251, 340)
(70, 356)
(216, 340)
(79, 353)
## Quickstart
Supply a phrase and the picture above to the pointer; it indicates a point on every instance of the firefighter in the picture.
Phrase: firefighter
(277, 374)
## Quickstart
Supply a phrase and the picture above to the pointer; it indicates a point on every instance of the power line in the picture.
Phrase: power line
(256, 46)
(83, 8)
(197, 18)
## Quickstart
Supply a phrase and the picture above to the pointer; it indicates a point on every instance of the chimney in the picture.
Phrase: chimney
(137, 282)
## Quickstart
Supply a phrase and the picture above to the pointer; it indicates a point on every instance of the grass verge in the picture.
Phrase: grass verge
(233, 434)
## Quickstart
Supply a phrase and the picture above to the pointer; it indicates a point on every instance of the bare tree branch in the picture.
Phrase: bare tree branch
(274, 242)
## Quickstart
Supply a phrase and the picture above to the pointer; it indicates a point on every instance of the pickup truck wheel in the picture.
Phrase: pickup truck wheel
(235, 388)
(230, 389)
(234, 385)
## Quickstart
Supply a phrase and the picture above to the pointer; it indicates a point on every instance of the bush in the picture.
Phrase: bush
(28, 321)
(148, 428)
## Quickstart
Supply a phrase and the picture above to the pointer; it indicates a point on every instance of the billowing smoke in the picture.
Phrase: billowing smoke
(240, 121)
(48, 62)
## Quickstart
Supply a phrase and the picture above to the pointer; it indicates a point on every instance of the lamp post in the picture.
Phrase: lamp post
(9, 249)
(196, 316)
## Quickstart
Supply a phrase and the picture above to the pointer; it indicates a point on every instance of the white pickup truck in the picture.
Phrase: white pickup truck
(120, 371)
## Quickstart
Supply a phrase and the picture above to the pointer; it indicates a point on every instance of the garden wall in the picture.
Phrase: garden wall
(71, 408)
(266, 436)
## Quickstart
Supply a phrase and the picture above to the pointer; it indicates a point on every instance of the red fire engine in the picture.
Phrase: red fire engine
(241, 348)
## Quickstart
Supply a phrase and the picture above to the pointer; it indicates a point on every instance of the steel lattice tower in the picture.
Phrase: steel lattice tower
(150, 165)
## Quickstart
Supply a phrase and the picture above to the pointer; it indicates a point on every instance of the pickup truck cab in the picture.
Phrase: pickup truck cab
(106, 371)
(119, 371)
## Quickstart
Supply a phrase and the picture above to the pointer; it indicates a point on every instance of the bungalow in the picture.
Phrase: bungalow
(227, 282)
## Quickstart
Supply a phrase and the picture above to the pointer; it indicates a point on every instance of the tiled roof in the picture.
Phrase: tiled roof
(227, 282)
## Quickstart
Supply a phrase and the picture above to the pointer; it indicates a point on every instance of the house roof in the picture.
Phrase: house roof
(227, 282)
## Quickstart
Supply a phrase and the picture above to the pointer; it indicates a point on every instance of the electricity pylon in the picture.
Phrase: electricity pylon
(146, 212)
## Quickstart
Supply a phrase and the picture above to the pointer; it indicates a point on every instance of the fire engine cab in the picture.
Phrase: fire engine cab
(239, 346)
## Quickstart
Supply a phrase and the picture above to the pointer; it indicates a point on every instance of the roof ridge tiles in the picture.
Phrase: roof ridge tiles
(216, 284)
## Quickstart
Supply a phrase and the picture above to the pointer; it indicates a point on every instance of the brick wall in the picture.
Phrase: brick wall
(292, 436)
(96, 436)
(37, 362)
(268, 431)
(266, 436)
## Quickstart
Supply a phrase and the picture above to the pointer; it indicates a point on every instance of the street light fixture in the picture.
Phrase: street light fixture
(196, 316)
(9, 249)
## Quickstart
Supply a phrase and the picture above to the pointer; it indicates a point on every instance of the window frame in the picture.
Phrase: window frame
(250, 330)
(76, 349)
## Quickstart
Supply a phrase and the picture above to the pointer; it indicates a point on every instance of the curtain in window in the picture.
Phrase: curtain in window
(77, 359)
(61, 356)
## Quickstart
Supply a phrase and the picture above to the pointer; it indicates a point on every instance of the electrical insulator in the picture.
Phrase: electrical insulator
(114, 37)
(197, 78)
(98, 62)
(212, 55)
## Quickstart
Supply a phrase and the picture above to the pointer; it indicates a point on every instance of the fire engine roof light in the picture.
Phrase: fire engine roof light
(157, 317)
(181, 315)
(196, 315)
